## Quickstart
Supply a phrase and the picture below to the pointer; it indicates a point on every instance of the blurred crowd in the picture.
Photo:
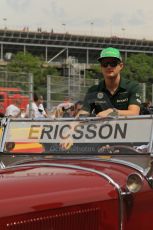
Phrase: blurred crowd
(147, 108)
(37, 108)
(68, 108)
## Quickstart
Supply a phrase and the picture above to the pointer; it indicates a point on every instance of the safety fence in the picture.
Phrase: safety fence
(58, 87)
(19, 84)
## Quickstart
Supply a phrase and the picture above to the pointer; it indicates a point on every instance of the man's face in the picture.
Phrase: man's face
(111, 67)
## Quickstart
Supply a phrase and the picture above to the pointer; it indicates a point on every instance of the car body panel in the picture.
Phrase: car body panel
(39, 188)
(44, 181)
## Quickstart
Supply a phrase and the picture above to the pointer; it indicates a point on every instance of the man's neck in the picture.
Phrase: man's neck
(112, 84)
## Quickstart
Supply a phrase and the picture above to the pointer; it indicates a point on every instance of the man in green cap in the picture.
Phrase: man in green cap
(114, 95)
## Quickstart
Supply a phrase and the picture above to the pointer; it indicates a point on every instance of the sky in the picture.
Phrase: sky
(121, 18)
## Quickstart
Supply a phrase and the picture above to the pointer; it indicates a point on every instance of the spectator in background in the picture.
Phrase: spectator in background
(77, 107)
(37, 108)
(65, 109)
(13, 110)
(44, 104)
(1, 114)
(146, 108)
(67, 103)
(69, 111)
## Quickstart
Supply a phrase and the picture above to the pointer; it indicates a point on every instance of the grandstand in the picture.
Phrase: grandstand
(54, 47)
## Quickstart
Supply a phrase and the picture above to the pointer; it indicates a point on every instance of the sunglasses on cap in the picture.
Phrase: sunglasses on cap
(112, 63)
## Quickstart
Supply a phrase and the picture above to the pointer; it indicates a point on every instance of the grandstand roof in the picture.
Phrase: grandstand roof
(84, 48)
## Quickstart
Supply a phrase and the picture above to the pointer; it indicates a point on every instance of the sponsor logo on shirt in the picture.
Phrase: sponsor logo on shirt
(102, 102)
(138, 100)
(122, 100)
(100, 95)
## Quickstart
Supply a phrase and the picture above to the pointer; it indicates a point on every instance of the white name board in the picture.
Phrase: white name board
(114, 131)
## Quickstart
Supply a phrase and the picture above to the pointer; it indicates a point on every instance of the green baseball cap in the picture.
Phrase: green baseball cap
(110, 52)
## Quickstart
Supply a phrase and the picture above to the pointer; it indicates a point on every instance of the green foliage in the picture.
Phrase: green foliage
(24, 62)
(139, 67)
(49, 70)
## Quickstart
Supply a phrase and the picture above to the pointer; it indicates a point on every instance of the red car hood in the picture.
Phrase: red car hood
(58, 184)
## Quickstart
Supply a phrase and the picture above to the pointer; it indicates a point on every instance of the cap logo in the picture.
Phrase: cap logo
(110, 52)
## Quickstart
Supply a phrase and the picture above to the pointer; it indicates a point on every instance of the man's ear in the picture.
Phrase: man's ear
(121, 65)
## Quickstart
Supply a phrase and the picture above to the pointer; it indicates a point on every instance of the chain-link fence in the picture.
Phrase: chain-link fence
(19, 84)
(147, 92)
(59, 88)
(74, 87)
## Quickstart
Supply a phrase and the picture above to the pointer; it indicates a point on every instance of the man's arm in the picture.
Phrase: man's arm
(133, 110)
(82, 112)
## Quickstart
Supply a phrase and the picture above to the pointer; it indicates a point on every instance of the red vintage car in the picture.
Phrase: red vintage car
(85, 174)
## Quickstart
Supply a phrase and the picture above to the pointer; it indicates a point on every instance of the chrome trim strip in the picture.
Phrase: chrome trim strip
(125, 163)
(111, 181)
(5, 127)
(2, 165)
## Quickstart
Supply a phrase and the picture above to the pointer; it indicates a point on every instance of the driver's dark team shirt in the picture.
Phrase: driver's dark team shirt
(98, 98)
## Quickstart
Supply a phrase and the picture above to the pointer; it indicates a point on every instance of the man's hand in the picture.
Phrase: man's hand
(105, 113)
(67, 145)
(82, 112)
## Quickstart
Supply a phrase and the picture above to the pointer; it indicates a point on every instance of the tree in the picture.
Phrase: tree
(26, 62)
(138, 67)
